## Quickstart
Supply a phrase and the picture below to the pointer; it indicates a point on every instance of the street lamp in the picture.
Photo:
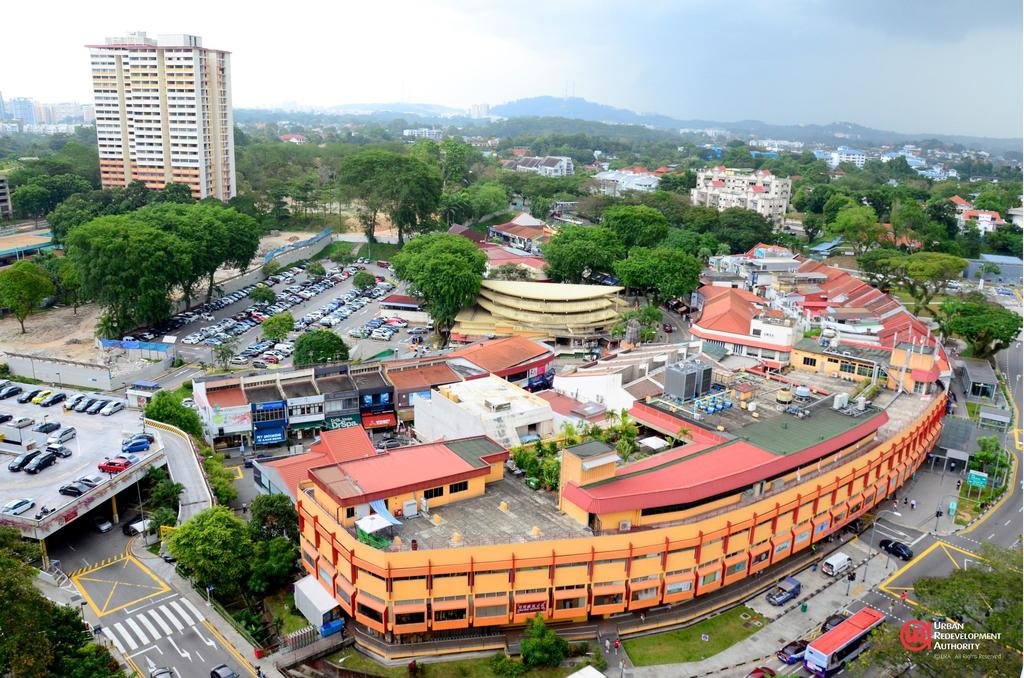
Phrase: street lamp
(60, 381)
(940, 510)
(873, 526)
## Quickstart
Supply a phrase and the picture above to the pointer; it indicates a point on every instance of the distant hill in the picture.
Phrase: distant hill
(832, 133)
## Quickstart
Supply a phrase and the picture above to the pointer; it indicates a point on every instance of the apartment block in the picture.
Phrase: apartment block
(163, 113)
(6, 211)
(761, 191)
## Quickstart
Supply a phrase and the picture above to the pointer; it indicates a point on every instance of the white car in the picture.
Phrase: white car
(239, 360)
(112, 407)
(188, 402)
(16, 507)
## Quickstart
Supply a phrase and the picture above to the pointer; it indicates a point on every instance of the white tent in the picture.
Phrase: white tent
(654, 443)
(372, 523)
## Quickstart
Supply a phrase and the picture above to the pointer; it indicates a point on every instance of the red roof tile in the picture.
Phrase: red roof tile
(501, 355)
(226, 397)
(339, 445)
(422, 377)
(957, 200)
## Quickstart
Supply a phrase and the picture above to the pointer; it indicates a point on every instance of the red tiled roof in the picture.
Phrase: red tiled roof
(422, 377)
(226, 397)
(566, 406)
(929, 375)
(758, 188)
(993, 215)
(957, 200)
(339, 445)
(401, 299)
(501, 355)
(729, 310)
(717, 183)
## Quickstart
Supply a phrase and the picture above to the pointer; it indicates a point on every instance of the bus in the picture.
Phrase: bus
(829, 653)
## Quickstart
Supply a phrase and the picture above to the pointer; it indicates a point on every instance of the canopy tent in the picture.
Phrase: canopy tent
(654, 443)
(372, 523)
(381, 509)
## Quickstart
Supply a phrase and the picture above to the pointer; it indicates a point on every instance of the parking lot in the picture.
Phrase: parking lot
(97, 437)
(325, 301)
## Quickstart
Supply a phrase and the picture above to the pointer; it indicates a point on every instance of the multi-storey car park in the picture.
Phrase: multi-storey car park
(440, 536)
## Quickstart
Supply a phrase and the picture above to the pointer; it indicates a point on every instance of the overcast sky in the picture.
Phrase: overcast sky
(942, 66)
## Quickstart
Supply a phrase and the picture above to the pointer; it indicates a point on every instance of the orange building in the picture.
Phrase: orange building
(719, 508)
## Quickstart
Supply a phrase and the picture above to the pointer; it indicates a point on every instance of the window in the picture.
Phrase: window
(678, 586)
(810, 362)
(492, 611)
(848, 368)
(756, 332)
(760, 558)
(611, 599)
(709, 578)
(410, 618)
(450, 615)
(369, 612)
(433, 493)
(864, 370)
(570, 603)
(735, 568)
(458, 487)
(350, 512)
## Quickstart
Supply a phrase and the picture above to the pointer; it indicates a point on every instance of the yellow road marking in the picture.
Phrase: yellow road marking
(892, 590)
(78, 579)
(236, 472)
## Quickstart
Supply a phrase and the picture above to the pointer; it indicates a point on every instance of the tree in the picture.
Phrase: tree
(487, 198)
(276, 327)
(812, 226)
(315, 269)
(175, 192)
(214, 548)
(164, 407)
(510, 271)
(678, 183)
(23, 287)
(273, 515)
(881, 266)
(661, 272)
(456, 158)
(445, 270)
(987, 328)
(273, 562)
(541, 646)
(636, 225)
(858, 226)
(836, 202)
(455, 207)
(319, 346)
(32, 200)
(263, 295)
(925, 274)
(989, 457)
(363, 280)
(575, 250)
(272, 267)
(223, 352)
(165, 492)
(908, 218)
(741, 229)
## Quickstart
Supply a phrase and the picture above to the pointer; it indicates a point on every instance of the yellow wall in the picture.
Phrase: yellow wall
(476, 488)
(693, 552)
(824, 365)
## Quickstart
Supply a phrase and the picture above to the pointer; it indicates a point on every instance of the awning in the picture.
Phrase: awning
(385, 420)
(307, 425)
(373, 523)
(381, 509)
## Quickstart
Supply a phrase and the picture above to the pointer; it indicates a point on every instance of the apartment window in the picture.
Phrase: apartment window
(458, 487)
(433, 492)
(369, 612)
(612, 599)
(810, 362)
(709, 578)
(450, 615)
(821, 528)
(678, 586)
(350, 512)
(756, 332)
(848, 368)
(760, 557)
(492, 611)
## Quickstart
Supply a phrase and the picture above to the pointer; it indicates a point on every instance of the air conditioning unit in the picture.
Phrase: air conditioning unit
(625, 526)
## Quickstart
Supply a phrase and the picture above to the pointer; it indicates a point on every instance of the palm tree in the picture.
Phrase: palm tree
(680, 435)
(570, 435)
(624, 448)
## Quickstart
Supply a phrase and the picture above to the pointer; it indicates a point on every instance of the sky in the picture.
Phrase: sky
(914, 66)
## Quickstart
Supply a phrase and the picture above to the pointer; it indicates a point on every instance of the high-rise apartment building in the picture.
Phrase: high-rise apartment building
(6, 210)
(761, 191)
(163, 113)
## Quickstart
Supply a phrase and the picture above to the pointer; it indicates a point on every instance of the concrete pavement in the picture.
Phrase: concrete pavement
(184, 467)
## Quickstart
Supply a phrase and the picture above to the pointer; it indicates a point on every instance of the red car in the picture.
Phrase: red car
(114, 465)
(761, 672)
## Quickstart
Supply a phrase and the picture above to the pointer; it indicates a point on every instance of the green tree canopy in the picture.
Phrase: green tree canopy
(509, 271)
(925, 274)
(858, 226)
(214, 548)
(263, 295)
(276, 327)
(541, 646)
(164, 407)
(661, 272)
(741, 229)
(22, 287)
(273, 515)
(445, 270)
(987, 328)
(319, 346)
(364, 280)
(636, 225)
(577, 249)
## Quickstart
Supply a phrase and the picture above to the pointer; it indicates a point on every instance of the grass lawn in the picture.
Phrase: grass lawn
(972, 410)
(280, 606)
(685, 645)
(378, 250)
(463, 668)
(182, 392)
(339, 247)
(502, 218)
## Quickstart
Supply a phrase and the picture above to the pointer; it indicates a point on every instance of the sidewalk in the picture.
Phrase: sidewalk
(225, 630)
(932, 491)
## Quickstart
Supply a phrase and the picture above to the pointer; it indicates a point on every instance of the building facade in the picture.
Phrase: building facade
(6, 209)
(548, 166)
(163, 113)
(760, 191)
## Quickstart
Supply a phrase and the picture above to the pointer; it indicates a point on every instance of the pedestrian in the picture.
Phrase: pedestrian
(913, 504)
(617, 645)
(643, 617)
(904, 501)
(607, 646)
(892, 608)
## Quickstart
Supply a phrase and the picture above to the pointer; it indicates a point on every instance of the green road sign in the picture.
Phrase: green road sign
(977, 479)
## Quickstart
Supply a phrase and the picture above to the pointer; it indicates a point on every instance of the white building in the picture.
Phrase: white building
(761, 191)
(614, 182)
(6, 211)
(548, 166)
(163, 113)
(424, 133)
(487, 406)
(847, 154)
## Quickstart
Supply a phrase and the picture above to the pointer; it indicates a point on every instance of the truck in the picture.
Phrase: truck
(785, 591)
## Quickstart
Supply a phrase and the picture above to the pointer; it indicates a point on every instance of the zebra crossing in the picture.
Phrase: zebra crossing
(161, 620)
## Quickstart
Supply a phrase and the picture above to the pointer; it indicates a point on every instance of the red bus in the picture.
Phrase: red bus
(829, 653)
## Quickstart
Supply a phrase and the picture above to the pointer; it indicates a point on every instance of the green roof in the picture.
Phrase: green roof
(471, 449)
(590, 448)
(812, 346)
(786, 434)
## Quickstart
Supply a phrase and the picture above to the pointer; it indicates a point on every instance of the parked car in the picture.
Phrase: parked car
(29, 395)
(22, 422)
(792, 653)
(10, 391)
(85, 404)
(46, 459)
(102, 524)
(59, 450)
(97, 406)
(41, 396)
(75, 489)
(761, 672)
(47, 427)
(16, 507)
(91, 480)
(135, 445)
(4, 418)
(786, 590)
(114, 464)
(144, 436)
(22, 460)
(53, 399)
(238, 360)
(62, 437)
(896, 548)
(113, 407)
(72, 402)
(833, 621)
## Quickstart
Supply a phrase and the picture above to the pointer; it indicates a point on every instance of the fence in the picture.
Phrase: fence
(69, 372)
(301, 638)
(276, 254)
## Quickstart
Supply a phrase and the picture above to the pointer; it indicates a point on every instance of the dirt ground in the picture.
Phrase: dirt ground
(60, 333)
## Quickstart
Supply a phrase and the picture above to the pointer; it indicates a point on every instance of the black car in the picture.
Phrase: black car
(896, 548)
(47, 427)
(833, 621)
(126, 526)
(53, 399)
(29, 395)
(10, 391)
(23, 460)
(148, 437)
(4, 418)
(75, 489)
(47, 458)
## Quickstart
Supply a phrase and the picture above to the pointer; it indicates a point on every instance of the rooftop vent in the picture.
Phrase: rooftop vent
(497, 404)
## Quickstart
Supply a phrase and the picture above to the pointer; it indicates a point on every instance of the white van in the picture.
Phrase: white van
(836, 564)
(138, 527)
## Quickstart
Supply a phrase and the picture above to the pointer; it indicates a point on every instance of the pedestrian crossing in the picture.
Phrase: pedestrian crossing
(163, 619)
